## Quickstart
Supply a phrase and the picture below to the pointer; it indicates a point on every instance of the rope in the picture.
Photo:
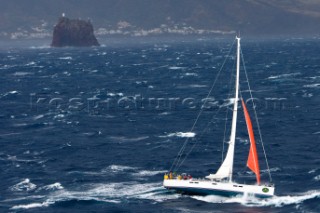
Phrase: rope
(197, 140)
(176, 162)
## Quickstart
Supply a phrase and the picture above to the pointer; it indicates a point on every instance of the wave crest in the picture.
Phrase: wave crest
(24, 185)
(180, 135)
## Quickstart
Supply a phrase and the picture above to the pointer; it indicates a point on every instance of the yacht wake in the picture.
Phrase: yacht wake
(109, 193)
(276, 201)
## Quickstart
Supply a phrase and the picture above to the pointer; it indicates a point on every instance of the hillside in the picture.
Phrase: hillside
(36, 18)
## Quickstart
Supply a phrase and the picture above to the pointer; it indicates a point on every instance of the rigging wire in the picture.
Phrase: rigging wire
(176, 162)
(256, 117)
(214, 117)
(197, 140)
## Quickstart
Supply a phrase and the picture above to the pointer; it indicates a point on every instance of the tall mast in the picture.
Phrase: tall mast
(235, 111)
(226, 169)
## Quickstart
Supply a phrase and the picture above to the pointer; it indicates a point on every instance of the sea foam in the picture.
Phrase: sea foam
(180, 135)
(276, 201)
(24, 185)
(109, 193)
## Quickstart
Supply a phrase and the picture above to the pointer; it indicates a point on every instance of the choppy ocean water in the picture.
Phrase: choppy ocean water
(94, 129)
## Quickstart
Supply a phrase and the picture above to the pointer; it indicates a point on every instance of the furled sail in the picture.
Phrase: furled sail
(252, 162)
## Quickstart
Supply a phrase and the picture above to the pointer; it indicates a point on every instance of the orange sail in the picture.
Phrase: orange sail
(252, 162)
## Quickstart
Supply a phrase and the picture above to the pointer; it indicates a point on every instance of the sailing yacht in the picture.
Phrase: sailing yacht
(221, 183)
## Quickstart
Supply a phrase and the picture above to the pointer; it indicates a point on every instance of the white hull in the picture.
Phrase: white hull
(211, 187)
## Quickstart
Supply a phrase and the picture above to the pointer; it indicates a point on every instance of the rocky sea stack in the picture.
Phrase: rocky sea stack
(73, 32)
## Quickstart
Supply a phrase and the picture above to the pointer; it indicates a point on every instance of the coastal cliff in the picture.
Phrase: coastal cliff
(73, 32)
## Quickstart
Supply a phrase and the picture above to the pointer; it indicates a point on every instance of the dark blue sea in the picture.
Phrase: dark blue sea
(95, 129)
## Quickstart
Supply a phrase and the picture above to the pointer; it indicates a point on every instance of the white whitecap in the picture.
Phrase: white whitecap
(165, 113)
(314, 77)
(54, 186)
(31, 63)
(141, 82)
(176, 68)
(32, 205)
(313, 170)
(41, 47)
(24, 185)
(275, 169)
(59, 116)
(275, 99)
(284, 75)
(119, 168)
(185, 134)
(115, 94)
(144, 173)
(307, 95)
(37, 117)
(317, 178)
(180, 134)
(125, 139)
(191, 74)
(228, 102)
(22, 73)
(66, 58)
(197, 86)
(312, 85)
(14, 92)
(243, 140)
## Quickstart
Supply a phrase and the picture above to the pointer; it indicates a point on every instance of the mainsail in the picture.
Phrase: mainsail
(226, 169)
(252, 162)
